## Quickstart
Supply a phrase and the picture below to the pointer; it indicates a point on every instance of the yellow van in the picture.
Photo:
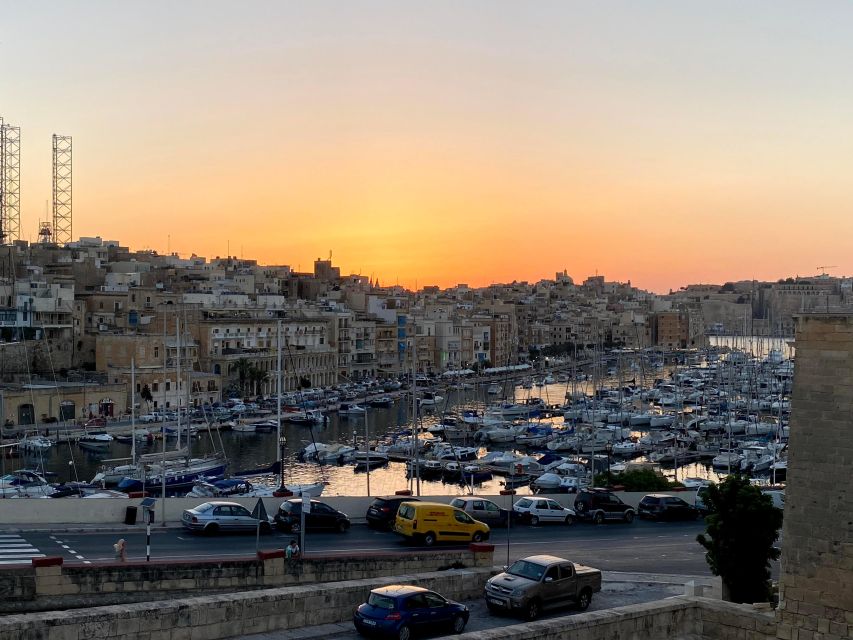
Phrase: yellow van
(431, 522)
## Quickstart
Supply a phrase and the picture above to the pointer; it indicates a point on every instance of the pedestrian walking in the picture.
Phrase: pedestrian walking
(121, 550)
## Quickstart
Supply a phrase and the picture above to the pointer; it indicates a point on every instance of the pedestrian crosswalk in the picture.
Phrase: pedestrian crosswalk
(15, 550)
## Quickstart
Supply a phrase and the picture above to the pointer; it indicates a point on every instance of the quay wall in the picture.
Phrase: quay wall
(227, 615)
(24, 511)
(50, 585)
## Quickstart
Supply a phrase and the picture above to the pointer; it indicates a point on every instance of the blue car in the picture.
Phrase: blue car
(401, 611)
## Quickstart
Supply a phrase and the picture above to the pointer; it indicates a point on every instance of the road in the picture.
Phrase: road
(644, 547)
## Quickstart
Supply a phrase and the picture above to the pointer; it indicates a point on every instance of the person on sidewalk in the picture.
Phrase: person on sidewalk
(292, 551)
(121, 550)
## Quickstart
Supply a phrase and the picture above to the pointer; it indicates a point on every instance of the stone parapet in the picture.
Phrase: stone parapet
(223, 616)
(52, 585)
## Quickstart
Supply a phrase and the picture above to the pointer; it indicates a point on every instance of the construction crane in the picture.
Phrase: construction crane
(824, 267)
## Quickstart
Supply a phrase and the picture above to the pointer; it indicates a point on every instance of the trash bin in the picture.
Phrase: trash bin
(130, 515)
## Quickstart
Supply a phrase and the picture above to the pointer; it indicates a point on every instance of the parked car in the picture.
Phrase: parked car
(148, 418)
(321, 516)
(382, 512)
(401, 611)
(541, 582)
(483, 510)
(95, 422)
(535, 510)
(660, 506)
(598, 505)
(214, 517)
(431, 522)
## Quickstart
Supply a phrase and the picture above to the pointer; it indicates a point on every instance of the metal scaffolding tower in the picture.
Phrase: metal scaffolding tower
(10, 183)
(61, 189)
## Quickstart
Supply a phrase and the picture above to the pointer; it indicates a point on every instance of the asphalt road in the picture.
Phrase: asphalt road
(644, 547)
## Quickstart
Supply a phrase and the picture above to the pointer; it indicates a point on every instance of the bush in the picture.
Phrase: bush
(636, 480)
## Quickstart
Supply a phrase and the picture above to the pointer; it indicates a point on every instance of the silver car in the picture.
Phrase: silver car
(212, 517)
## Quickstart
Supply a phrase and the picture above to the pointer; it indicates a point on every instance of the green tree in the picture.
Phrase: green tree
(740, 531)
(256, 377)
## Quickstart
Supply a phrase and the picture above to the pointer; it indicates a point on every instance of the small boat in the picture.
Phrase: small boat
(494, 389)
(244, 428)
(346, 409)
(35, 443)
(307, 417)
(369, 459)
(24, 484)
(95, 441)
(430, 399)
(382, 402)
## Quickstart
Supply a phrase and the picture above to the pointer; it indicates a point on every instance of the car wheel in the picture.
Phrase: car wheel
(211, 530)
(534, 520)
(629, 517)
(404, 633)
(266, 528)
(598, 518)
(584, 599)
(532, 610)
(341, 527)
(459, 624)
(429, 539)
(569, 521)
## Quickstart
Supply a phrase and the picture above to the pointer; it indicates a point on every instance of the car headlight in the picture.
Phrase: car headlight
(518, 591)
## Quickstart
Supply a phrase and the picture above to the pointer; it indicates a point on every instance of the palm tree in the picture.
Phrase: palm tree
(242, 367)
(256, 378)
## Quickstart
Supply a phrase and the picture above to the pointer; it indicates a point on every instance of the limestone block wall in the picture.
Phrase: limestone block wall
(54, 585)
(816, 585)
(224, 616)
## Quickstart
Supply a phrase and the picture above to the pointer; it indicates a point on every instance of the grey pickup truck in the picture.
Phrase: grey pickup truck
(542, 582)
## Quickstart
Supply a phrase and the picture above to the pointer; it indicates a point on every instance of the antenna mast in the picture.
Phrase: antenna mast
(61, 189)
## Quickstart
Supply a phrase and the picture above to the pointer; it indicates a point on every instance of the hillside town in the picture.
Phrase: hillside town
(76, 315)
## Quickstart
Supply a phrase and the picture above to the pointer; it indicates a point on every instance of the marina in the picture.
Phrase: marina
(700, 416)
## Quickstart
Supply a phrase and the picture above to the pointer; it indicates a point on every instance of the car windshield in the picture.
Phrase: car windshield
(380, 601)
(292, 507)
(525, 569)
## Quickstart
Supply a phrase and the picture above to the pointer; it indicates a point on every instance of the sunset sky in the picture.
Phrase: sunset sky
(441, 142)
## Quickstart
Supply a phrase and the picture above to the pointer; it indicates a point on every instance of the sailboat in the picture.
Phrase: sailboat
(172, 471)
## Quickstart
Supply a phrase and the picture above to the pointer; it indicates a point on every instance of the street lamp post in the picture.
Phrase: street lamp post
(509, 493)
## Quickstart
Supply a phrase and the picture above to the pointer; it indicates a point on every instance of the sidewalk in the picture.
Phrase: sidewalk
(84, 528)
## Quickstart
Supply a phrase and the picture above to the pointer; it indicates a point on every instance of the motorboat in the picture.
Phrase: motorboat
(694, 483)
(95, 441)
(35, 443)
(446, 451)
(493, 389)
(244, 427)
(727, 459)
(307, 417)
(25, 484)
(348, 410)
(430, 399)
(627, 448)
(382, 402)
(369, 459)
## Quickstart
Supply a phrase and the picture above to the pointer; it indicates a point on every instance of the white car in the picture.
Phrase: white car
(535, 510)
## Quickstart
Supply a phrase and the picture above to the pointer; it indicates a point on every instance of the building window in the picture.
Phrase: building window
(155, 387)
(156, 352)
(168, 386)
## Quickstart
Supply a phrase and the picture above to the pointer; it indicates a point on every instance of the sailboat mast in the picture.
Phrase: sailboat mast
(133, 410)
(415, 413)
(278, 404)
(178, 379)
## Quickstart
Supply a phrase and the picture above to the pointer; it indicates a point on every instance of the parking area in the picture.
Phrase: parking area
(613, 594)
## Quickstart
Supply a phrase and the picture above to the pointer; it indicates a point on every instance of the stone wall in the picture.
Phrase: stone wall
(223, 616)
(50, 585)
(215, 617)
(816, 585)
